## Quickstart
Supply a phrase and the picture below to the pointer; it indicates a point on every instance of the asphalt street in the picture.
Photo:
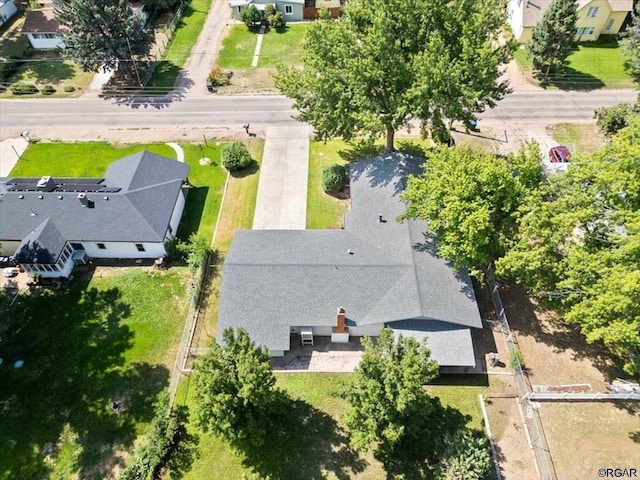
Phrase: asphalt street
(190, 116)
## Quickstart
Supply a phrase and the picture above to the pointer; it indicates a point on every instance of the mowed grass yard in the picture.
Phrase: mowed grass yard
(281, 45)
(315, 444)
(112, 335)
(591, 66)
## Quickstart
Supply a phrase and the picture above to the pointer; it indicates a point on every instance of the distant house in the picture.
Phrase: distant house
(286, 286)
(48, 224)
(43, 30)
(595, 17)
(7, 10)
(292, 9)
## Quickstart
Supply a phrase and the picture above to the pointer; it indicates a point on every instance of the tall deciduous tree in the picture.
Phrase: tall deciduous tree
(235, 396)
(553, 38)
(580, 246)
(471, 201)
(389, 407)
(387, 63)
(103, 33)
(631, 45)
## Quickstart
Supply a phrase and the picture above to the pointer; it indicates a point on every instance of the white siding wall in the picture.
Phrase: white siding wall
(45, 43)
(7, 10)
(370, 330)
(516, 14)
(123, 250)
(176, 215)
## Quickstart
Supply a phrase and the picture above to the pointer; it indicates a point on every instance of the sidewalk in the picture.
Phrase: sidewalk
(11, 150)
(282, 188)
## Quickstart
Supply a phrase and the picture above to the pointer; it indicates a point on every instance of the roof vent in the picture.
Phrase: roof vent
(350, 252)
(83, 199)
(106, 199)
(59, 197)
(46, 184)
(20, 197)
(40, 197)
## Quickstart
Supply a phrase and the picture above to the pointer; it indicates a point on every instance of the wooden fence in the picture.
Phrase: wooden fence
(313, 13)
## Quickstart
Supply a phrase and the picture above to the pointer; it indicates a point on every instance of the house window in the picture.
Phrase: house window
(77, 246)
(609, 24)
(592, 12)
(288, 10)
(140, 247)
(101, 246)
(44, 35)
(585, 31)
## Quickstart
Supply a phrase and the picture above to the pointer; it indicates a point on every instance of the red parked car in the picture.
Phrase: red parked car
(560, 154)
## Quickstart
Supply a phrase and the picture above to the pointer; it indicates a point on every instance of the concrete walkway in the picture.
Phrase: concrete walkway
(11, 150)
(282, 188)
(256, 52)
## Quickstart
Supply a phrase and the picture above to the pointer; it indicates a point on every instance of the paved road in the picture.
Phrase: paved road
(188, 118)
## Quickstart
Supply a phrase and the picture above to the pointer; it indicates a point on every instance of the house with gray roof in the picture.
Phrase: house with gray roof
(48, 224)
(286, 285)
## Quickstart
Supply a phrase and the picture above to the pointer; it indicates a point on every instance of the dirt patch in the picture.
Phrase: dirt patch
(555, 353)
(515, 458)
(584, 437)
(250, 81)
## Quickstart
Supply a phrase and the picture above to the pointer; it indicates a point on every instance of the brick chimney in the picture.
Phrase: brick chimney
(340, 317)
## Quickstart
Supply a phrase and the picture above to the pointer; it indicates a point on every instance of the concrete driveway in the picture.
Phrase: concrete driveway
(282, 189)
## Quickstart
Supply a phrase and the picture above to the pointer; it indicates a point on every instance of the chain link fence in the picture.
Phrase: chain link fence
(535, 435)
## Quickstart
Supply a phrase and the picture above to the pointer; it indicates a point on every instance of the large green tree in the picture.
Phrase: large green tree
(579, 247)
(103, 34)
(631, 45)
(388, 64)
(553, 38)
(235, 396)
(389, 407)
(471, 201)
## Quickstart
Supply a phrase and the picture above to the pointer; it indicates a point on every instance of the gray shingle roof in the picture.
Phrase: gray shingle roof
(276, 279)
(133, 203)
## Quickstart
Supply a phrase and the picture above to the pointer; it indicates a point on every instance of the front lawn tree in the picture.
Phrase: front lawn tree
(103, 34)
(389, 64)
(235, 396)
(553, 38)
(389, 407)
(631, 45)
(474, 217)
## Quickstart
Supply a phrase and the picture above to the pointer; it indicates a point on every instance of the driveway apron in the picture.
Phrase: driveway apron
(282, 188)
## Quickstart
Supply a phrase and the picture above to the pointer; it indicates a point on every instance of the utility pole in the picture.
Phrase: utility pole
(135, 65)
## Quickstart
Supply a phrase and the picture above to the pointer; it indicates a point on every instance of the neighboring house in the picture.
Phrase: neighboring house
(595, 17)
(7, 10)
(48, 224)
(43, 30)
(283, 286)
(292, 9)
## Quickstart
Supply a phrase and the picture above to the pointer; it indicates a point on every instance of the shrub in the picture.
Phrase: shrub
(8, 68)
(516, 360)
(219, 78)
(235, 156)
(48, 90)
(334, 178)
(276, 19)
(69, 88)
(251, 16)
(21, 88)
(612, 119)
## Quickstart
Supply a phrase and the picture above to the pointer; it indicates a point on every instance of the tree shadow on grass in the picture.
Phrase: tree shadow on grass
(523, 319)
(249, 170)
(72, 343)
(306, 443)
(48, 70)
(573, 79)
(193, 211)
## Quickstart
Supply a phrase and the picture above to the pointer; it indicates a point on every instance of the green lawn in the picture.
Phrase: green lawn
(324, 210)
(238, 47)
(82, 348)
(316, 446)
(580, 138)
(189, 27)
(591, 65)
(81, 159)
(282, 45)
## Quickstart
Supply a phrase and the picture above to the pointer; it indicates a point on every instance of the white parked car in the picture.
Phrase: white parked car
(10, 272)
